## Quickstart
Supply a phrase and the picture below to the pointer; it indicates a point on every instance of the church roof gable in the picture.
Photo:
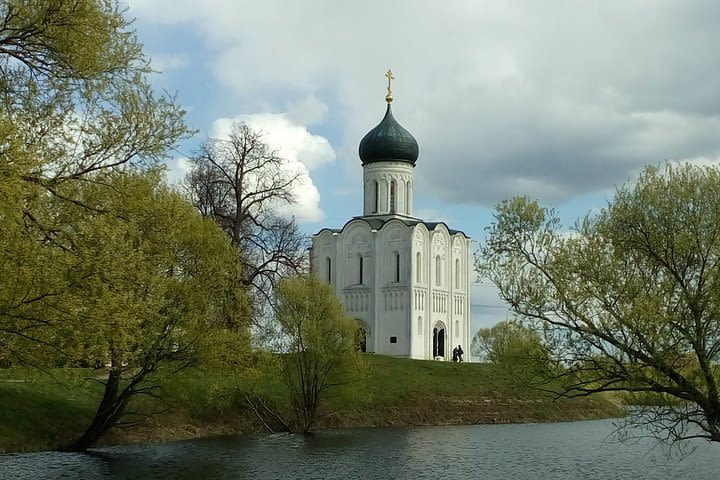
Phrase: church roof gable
(379, 223)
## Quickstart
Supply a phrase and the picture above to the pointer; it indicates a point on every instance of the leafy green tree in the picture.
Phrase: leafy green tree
(66, 39)
(630, 300)
(100, 260)
(74, 100)
(510, 344)
(320, 355)
(150, 284)
(74, 96)
(30, 279)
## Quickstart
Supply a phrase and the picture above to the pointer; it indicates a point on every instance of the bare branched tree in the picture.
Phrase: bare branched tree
(240, 182)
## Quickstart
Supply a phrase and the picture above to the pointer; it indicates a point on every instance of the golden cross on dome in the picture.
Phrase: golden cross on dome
(390, 77)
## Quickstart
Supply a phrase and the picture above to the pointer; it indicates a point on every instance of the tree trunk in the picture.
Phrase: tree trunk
(109, 410)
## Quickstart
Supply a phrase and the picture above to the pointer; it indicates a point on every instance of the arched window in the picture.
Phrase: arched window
(328, 269)
(437, 270)
(397, 266)
(418, 267)
(361, 270)
(408, 185)
(457, 273)
(457, 329)
(419, 326)
(377, 197)
(392, 196)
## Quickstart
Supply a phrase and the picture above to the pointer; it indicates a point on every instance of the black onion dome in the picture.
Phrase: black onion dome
(389, 141)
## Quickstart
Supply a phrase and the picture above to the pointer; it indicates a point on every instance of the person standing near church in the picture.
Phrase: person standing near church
(455, 354)
(459, 351)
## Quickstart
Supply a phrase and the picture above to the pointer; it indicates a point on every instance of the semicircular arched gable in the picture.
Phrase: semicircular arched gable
(324, 237)
(440, 237)
(323, 246)
(458, 243)
(394, 231)
(357, 232)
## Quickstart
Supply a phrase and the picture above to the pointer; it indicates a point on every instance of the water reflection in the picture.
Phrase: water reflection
(565, 450)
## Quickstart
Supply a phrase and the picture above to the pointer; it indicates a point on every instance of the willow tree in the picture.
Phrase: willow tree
(320, 352)
(74, 94)
(74, 100)
(150, 285)
(630, 300)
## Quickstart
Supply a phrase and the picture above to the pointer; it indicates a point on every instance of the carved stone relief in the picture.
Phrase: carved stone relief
(359, 238)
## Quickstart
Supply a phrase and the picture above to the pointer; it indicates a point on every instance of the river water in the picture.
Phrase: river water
(535, 451)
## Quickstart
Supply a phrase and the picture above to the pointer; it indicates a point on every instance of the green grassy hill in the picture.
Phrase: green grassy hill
(42, 410)
(417, 392)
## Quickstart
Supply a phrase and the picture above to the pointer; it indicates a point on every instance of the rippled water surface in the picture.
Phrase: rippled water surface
(553, 451)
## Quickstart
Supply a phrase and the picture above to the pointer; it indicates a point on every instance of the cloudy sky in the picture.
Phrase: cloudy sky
(559, 100)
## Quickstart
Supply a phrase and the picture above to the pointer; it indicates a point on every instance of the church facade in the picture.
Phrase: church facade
(405, 280)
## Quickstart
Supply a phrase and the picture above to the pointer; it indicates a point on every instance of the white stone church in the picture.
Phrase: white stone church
(403, 279)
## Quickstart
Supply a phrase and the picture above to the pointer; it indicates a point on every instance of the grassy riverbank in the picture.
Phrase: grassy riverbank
(42, 410)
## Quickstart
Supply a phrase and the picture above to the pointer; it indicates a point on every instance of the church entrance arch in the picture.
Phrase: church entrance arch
(439, 340)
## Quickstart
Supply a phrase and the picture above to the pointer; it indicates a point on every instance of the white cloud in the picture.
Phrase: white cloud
(166, 62)
(301, 150)
(700, 161)
(308, 110)
(307, 205)
(177, 169)
(431, 215)
(504, 97)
